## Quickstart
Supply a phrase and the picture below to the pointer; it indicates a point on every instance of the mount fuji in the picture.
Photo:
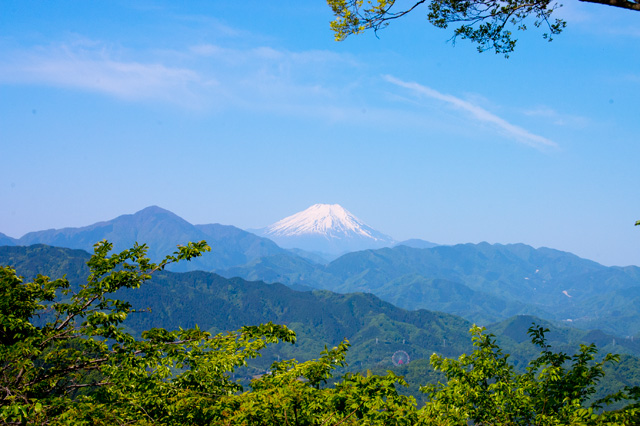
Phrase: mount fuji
(325, 228)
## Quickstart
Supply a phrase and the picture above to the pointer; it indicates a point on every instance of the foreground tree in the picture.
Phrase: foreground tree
(489, 23)
(66, 359)
(556, 389)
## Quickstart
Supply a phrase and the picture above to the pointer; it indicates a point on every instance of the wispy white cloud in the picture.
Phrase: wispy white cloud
(96, 69)
(200, 75)
(511, 130)
(315, 84)
(555, 117)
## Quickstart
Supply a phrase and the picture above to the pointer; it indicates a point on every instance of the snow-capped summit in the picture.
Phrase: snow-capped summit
(324, 219)
(327, 228)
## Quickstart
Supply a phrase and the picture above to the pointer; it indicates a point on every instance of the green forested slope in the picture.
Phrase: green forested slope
(503, 280)
(376, 329)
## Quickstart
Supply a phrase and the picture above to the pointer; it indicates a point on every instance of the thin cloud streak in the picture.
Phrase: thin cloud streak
(212, 77)
(198, 76)
(65, 66)
(555, 117)
(479, 113)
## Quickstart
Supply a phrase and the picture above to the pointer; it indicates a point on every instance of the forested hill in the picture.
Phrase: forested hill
(375, 328)
(5, 240)
(482, 282)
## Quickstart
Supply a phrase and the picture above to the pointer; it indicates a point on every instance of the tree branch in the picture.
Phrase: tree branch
(395, 15)
(624, 4)
(86, 385)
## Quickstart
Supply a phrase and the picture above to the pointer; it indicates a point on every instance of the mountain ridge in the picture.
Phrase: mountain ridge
(162, 230)
(504, 279)
(375, 328)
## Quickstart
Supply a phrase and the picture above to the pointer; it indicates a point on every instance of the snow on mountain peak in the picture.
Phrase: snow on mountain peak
(330, 220)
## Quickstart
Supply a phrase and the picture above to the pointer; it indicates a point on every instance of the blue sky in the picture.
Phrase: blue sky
(246, 112)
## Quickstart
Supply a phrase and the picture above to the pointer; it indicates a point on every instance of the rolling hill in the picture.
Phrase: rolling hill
(482, 282)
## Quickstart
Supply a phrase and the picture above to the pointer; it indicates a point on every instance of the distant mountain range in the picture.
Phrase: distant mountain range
(162, 231)
(5, 240)
(481, 282)
(417, 243)
(318, 234)
(376, 329)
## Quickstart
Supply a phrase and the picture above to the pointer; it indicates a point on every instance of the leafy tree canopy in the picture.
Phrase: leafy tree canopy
(489, 23)
(67, 359)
